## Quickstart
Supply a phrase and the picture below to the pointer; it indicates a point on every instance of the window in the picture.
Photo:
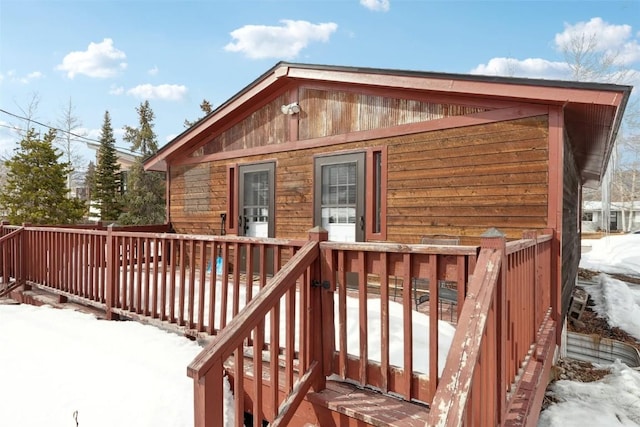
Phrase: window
(587, 216)
(350, 195)
(339, 196)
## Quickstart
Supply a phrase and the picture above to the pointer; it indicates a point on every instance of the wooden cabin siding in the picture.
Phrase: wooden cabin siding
(326, 113)
(265, 126)
(333, 112)
(456, 181)
(570, 228)
(198, 196)
(463, 181)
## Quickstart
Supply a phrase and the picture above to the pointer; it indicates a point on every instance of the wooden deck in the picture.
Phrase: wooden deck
(287, 300)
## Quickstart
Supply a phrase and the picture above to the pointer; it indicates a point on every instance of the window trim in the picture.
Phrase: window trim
(372, 200)
(231, 224)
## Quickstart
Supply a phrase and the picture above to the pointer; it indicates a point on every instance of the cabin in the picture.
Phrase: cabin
(376, 155)
(354, 246)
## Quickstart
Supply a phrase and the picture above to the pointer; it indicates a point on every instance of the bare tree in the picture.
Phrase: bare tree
(68, 142)
(589, 62)
(28, 114)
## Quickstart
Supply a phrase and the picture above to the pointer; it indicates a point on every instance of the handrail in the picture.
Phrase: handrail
(11, 263)
(248, 318)
(11, 234)
(450, 401)
(518, 245)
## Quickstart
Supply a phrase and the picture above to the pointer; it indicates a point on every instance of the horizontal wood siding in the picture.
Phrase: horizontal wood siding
(198, 196)
(454, 182)
(570, 233)
(463, 181)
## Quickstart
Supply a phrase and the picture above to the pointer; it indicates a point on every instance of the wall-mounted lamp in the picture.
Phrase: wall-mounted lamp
(290, 109)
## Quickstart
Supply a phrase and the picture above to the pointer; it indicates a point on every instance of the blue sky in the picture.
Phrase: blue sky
(112, 55)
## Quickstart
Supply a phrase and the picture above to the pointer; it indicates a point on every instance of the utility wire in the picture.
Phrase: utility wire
(54, 128)
(48, 126)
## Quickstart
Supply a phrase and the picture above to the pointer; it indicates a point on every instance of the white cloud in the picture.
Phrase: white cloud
(376, 5)
(531, 67)
(12, 76)
(165, 92)
(31, 76)
(116, 90)
(285, 41)
(601, 39)
(153, 71)
(101, 60)
(616, 40)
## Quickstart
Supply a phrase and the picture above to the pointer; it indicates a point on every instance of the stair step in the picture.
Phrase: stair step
(372, 407)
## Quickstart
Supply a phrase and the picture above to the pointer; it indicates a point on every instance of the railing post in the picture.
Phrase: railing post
(495, 239)
(533, 235)
(21, 273)
(317, 234)
(111, 266)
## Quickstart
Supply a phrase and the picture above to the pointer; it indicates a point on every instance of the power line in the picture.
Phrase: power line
(47, 126)
(54, 128)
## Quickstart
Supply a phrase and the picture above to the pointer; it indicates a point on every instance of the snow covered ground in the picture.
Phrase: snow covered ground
(614, 400)
(57, 363)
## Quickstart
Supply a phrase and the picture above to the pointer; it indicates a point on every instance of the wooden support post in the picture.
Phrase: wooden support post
(495, 239)
(317, 234)
(21, 262)
(111, 266)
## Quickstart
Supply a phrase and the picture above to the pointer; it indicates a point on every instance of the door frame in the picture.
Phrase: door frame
(269, 167)
(359, 158)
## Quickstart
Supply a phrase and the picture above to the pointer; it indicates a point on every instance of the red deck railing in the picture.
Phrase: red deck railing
(11, 258)
(508, 310)
(279, 309)
(389, 272)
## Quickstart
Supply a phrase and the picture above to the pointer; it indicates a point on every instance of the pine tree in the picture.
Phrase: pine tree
(205, 107)
(106, 196)
(35, 190)
(145, 195)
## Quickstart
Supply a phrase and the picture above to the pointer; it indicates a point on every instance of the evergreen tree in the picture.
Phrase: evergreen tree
(205, 107)
(107, 175)
(35, 190)
(145, 195)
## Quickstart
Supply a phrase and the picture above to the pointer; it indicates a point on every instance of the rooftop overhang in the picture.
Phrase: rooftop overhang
(592, 111)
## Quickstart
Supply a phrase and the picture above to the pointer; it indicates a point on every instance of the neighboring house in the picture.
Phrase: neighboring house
(125, 159)
(623, 216)
(392, 155)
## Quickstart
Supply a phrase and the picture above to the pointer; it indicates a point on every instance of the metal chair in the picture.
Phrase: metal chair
(421, 285)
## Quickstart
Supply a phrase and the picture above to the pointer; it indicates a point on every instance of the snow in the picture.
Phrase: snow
(126, 373)
(56, 362)
(59, 362)
(612, 401)
(614, 254)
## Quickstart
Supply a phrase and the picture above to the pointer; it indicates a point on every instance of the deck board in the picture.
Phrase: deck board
(370, 406)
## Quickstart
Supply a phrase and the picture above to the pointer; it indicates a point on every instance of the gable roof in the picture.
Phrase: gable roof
(592, 111)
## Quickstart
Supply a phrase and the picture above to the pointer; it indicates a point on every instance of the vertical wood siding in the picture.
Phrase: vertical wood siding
(327, 113)
(330, 113)
(455, 181)
(265, 126)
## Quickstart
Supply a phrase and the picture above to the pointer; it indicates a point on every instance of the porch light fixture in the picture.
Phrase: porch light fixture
(290, 109)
